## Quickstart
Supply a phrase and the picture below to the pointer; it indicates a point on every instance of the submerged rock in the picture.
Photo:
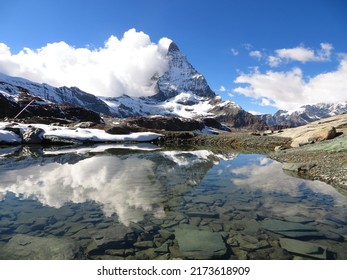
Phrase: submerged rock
(26, 247)
(200, 244)
(292, 229)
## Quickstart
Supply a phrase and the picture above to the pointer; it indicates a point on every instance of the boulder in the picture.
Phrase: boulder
(311, 133)
(33, 135)
(326, 133)
(317, 134)
(298, 167)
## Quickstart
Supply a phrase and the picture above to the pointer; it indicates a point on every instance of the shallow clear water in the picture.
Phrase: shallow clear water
(140, 202)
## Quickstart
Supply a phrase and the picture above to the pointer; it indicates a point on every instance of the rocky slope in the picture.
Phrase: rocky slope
(319, 151)
(42, 111)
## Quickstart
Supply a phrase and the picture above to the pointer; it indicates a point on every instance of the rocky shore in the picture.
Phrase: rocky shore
(315, 151)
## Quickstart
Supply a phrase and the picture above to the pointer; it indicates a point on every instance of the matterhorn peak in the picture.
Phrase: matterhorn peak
(173, 48)
(181, 77)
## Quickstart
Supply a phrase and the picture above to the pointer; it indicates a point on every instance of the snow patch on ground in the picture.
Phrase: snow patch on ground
(82, 134)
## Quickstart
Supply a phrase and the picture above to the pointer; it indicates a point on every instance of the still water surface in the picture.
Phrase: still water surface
(141, 202)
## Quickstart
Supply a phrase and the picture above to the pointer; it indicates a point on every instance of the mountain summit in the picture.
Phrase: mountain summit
(180, 77)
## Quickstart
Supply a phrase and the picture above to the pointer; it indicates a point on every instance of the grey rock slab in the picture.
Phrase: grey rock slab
(163, 249)
(170, 224)
(200, 244)
(281, 226)
(304, 248)
(195, 221)
(144, 244)
(302, 234)
(205, 199)
(208, 215)
(112, 236)
(298, 219)
(25, 247)
(165, 234)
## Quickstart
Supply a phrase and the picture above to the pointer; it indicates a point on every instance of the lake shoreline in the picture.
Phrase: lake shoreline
(316, 160)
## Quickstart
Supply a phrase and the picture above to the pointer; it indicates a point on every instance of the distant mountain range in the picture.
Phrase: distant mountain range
(181, 92)
(304, 115)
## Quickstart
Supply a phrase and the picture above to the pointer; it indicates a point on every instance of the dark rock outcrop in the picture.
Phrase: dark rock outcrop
(166, 123)
(41, 111)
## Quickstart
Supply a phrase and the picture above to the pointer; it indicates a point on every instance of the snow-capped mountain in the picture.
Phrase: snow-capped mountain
(181, 92)
(304, 115)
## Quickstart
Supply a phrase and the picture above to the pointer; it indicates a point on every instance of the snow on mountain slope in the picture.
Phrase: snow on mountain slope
(185, 105)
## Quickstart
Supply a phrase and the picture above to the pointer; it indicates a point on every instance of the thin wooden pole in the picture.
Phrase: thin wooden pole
(24, 108)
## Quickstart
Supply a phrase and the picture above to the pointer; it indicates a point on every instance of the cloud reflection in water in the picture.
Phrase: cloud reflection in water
(127, 187)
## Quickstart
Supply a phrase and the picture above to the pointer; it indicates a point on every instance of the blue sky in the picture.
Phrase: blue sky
(265, 54)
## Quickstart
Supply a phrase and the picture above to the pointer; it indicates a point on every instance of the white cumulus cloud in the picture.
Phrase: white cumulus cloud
(121, 66)
(289, 90)
(300, 54)
(256, 54)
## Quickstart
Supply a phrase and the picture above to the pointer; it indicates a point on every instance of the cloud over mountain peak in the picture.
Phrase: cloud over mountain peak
(121, 66)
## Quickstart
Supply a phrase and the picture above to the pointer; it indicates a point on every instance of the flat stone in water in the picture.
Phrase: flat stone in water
(205, 199)
(144, 244)
(197, 244)
(302, 234)
(23, 229)
(298, 219)
(25, 247)
(208, 215)
(163, 249)
(282, 226)
(304, 248)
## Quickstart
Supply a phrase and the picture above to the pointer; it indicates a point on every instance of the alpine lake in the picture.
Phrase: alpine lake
(145, 202)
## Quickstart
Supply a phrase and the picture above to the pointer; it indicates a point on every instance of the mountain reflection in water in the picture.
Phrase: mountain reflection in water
(149, 186)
